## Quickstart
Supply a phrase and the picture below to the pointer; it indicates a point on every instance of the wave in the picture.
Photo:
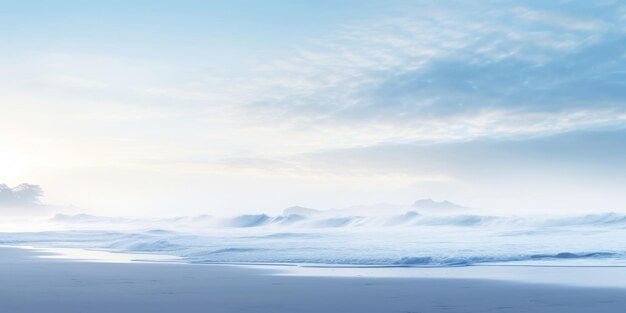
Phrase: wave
(459, 220)
(310, 218)
(289, 219)
(337, 221)
(259, 256)
(402, 219)
(160, 245)
(610, 218)
(248, 220)
(397, 238)
(429, 247)
(569, 255)
(282, 236)
(466, 261)
(159, 232)
(232, 250)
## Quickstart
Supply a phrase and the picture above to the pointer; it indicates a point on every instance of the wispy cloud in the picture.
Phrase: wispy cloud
(432, 73)
(476, 70)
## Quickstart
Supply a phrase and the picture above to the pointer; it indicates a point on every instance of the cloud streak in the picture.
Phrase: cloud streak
(458, 66)
(436, 72)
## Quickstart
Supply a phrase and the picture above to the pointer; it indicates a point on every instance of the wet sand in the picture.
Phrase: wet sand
(37, 285)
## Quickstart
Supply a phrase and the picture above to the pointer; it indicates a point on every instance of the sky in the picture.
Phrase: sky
(162, 108)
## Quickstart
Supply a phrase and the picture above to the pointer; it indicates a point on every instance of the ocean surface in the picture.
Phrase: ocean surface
(336, 239)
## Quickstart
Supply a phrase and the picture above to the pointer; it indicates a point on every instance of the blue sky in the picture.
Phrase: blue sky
(237, 106)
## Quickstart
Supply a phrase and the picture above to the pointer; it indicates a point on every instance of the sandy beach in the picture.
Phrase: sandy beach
(31, 284)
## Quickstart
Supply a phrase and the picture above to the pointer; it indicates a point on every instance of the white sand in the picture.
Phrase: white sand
(38, 285)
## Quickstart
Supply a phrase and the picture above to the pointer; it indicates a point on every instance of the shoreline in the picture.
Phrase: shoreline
(567, 275)
(31, 284)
